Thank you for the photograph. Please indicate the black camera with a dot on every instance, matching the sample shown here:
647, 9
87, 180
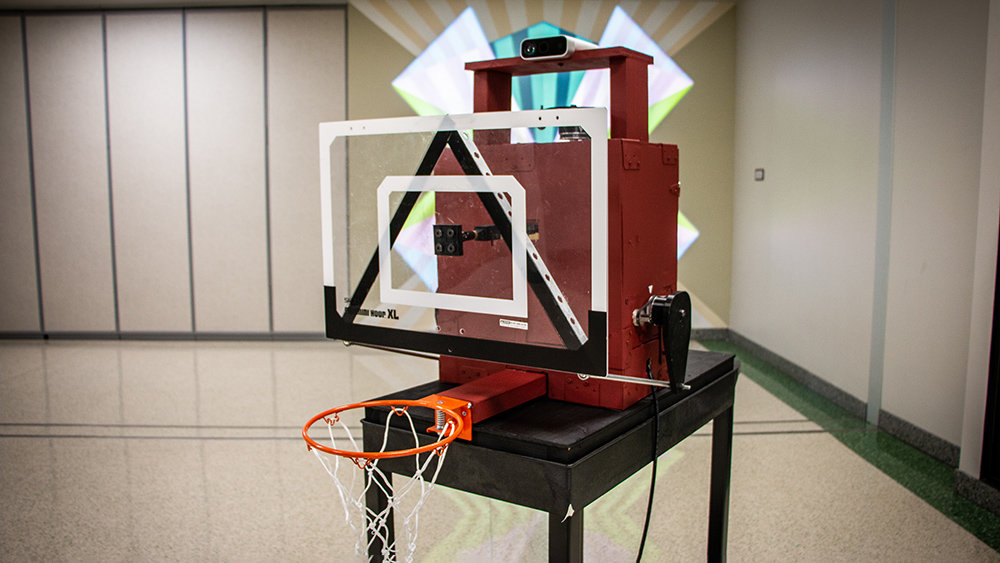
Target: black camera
555, 47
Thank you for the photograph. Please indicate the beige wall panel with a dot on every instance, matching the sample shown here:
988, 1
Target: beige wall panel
940, 73
701, 125
225, 58
146, 117
66, 77
374, 60
808, 80
18, 281
306, 86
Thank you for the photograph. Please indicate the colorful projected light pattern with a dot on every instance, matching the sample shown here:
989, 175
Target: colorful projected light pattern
437, 83
667, 82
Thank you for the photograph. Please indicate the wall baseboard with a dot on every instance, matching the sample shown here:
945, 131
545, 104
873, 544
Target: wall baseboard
234, 336
19, 335
710, 334
299, 336
936, 447
142, 335
80, 335
976, 491
810, 380
168, 336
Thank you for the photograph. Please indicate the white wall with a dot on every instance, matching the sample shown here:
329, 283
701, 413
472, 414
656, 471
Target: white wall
175, 169
19, 299
985, 269
70, 148
940, 65
226, 137
303, 89
807, 111
148, 158
808, 87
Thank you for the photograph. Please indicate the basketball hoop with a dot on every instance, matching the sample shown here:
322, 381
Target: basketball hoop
375, 525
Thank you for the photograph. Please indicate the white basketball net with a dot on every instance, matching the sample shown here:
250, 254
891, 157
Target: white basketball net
367, 524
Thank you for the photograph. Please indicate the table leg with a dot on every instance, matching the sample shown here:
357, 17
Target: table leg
718, 508
566, 538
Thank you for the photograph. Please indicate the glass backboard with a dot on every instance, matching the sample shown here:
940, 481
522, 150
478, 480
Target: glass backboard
472, 235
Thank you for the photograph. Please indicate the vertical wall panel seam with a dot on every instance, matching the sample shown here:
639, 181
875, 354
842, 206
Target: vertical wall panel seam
31, 173
267, 185
111, 199
883, 213
187, 167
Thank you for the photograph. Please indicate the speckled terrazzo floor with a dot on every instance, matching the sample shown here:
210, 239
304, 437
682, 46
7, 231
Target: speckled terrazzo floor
189, 451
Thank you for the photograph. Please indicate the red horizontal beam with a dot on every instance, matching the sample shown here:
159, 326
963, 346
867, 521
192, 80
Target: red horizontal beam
581, 60
504, 390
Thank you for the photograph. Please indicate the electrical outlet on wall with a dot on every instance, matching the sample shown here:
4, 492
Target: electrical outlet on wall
758, 174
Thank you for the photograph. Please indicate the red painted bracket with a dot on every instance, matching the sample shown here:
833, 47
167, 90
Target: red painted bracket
459, 407
631, 155
491, 395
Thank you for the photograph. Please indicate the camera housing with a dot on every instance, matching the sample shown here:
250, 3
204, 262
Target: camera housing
554, 47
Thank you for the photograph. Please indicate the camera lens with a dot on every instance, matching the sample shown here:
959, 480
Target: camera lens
529, 49
544, 47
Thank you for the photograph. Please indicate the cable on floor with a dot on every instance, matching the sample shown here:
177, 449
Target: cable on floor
652, 480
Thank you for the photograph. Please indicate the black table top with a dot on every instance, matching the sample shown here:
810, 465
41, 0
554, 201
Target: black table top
565, 432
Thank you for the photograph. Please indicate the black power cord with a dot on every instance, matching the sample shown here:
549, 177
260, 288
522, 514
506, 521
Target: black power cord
672, 315
652, 480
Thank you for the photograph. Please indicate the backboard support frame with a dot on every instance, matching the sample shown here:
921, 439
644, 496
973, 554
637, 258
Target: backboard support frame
580, 354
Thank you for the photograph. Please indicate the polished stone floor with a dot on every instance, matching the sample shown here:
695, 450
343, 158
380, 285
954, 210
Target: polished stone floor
190, 451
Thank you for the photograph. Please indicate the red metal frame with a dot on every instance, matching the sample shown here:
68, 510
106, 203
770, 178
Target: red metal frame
629, 112
490, 395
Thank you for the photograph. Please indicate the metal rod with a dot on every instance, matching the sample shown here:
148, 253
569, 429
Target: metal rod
628, 379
